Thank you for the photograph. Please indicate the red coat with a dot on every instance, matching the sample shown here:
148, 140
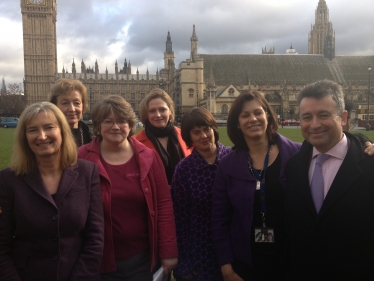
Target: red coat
161, 224
142, 137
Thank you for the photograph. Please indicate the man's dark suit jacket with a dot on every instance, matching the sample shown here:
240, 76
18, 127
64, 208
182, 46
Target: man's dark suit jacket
42, 238
337, 243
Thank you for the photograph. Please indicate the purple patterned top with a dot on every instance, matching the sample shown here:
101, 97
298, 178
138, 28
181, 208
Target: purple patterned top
191, 191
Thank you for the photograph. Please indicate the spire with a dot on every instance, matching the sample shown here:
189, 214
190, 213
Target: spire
129, 68
169, 44
83, 67
3, 87
73, 69
193, 45
96, 67
194, 37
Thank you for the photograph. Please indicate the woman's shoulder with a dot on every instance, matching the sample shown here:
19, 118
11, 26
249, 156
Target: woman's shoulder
85, 164
282, 140
232, 156
140, 135
6, 172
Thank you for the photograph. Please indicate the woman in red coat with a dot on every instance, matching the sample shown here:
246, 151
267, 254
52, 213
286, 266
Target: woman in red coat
138, 211
159, 133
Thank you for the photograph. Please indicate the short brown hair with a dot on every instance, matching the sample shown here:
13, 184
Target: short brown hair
324, 88
23, 159
197, 117
236, 135
115, 105
64, 86
154, 94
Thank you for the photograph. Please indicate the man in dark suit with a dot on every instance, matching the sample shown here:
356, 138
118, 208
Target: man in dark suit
330, 204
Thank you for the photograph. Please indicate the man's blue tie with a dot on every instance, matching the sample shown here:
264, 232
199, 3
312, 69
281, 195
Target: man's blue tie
317, 184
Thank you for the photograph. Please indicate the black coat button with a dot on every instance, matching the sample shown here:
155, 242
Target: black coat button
55, 238
55, 217
56, 257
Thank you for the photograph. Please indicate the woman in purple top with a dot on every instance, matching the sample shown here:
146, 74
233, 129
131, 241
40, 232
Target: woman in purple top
191, 191
248, 196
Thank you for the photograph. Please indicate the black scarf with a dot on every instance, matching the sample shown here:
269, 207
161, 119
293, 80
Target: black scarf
170, 157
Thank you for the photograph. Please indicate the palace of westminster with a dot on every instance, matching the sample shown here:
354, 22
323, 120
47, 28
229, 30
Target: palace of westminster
208, 80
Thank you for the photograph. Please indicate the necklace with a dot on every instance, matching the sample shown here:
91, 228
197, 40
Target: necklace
81, 135
259, 177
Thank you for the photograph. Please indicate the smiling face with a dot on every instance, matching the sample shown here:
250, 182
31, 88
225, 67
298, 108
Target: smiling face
114, 130
43, 135
71, 105
158, 113
203, 138
321, 124
252, 121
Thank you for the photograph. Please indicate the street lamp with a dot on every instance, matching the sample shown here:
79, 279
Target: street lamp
368, 124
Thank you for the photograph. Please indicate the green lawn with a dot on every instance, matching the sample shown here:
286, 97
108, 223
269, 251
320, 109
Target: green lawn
6, 140
6, 146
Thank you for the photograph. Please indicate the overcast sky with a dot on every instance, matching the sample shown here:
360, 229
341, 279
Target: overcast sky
110, 30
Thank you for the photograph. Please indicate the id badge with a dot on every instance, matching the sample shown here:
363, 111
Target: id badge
264, 235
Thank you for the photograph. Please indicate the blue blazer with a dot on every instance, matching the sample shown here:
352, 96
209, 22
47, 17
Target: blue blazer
45, 238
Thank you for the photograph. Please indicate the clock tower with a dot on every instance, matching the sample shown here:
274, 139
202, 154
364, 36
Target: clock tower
39, 48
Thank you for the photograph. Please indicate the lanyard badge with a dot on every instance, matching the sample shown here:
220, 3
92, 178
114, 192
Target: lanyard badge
262, 234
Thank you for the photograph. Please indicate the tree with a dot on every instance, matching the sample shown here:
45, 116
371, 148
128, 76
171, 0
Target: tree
14, 89
12, 103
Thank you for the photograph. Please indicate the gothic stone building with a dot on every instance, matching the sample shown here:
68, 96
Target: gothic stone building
209, 80
214, 80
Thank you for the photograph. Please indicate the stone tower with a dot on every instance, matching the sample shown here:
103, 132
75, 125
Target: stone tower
322, 35
39, 47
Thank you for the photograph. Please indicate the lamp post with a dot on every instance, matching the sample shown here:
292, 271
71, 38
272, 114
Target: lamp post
368, 124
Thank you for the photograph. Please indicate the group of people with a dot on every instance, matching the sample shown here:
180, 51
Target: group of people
114, 205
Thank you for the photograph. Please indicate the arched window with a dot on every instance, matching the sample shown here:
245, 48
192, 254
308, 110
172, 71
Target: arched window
224, 109
231, 92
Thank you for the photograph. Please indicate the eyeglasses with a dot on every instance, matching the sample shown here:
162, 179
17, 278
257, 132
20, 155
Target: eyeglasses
110, 123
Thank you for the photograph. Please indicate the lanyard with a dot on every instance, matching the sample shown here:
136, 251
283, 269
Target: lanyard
260, 176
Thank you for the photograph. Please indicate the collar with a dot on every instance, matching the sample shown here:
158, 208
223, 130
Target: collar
338, 151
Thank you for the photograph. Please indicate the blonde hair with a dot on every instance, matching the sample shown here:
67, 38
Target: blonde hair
23, 159
117, 106
154, 94
64, 86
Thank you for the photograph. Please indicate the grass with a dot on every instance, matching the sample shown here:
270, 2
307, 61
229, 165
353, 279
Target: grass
6, 146
6, 140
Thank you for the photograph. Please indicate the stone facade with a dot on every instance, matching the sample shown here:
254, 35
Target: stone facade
205, 79
39, 47
209, 80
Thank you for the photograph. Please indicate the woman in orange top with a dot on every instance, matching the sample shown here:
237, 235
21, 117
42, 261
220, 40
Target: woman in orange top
159, 133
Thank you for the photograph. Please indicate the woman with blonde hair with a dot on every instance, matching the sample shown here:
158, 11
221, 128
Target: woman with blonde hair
70, 96
159, 133
51, 225
139, 219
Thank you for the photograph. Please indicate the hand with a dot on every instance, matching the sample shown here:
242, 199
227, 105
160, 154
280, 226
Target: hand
232, 277
369, 150
169, 264
190, 275
229, 274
